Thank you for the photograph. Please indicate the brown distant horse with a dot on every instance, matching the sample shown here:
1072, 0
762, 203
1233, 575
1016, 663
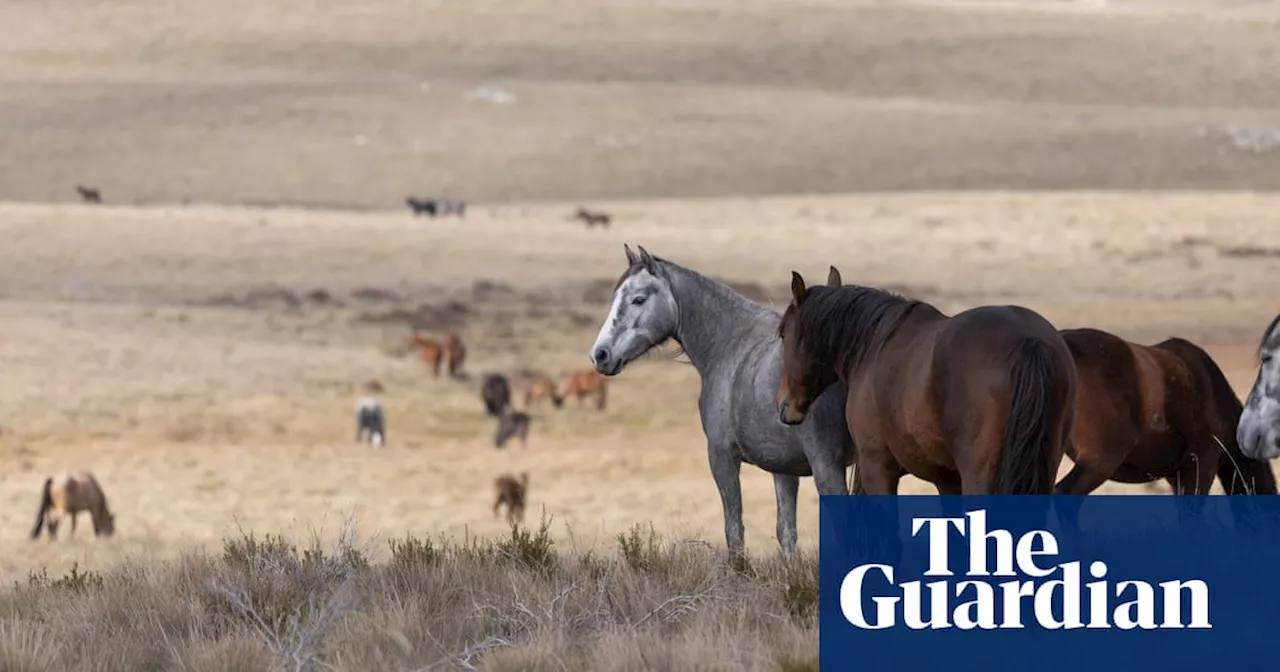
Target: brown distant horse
542, 388
976, 403
1149, 412
583, 382
511, 492
592, 218
434, 352
67, 494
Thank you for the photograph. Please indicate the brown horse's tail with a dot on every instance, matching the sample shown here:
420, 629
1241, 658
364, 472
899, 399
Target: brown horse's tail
46, 501
1035, 408
1238, 474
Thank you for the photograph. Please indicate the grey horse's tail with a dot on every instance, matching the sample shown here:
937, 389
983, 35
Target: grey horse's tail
46, 501
1034, 406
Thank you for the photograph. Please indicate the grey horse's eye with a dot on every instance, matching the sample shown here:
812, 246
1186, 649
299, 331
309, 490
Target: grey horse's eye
1266, 358
639, 300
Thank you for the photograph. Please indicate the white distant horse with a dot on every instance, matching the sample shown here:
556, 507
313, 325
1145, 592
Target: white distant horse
371, 419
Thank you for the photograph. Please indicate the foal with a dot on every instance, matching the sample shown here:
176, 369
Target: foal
584, 382
976, 403
540, 389
67, 494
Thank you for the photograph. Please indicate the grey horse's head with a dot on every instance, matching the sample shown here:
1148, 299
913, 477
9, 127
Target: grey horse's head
644, 315
1259, 430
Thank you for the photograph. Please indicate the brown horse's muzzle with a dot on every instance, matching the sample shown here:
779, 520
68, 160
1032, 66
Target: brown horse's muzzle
790, 415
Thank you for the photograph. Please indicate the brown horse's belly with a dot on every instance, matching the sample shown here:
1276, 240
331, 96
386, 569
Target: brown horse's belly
1154, 458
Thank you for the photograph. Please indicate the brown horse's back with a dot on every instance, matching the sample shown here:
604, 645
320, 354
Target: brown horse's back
1145, 413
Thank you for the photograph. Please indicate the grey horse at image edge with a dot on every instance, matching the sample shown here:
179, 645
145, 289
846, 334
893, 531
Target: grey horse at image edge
734, 345
1258, 432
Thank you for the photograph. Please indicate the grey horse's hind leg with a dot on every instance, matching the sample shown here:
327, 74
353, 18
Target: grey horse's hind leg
726, 470
786, 489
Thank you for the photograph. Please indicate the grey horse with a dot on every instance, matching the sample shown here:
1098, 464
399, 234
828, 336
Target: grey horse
733, 343
1258, 431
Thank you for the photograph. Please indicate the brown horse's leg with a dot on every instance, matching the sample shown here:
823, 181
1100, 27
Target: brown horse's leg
877, 470
73, 523
1088, 474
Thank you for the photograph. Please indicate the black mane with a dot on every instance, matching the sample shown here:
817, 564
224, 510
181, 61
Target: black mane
843, 325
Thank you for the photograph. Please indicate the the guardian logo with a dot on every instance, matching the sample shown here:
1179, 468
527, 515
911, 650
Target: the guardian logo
974, 603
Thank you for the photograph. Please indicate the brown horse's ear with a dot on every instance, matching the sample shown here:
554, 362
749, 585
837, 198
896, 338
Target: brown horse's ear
798, 291
647, 260
833, 277
632, 259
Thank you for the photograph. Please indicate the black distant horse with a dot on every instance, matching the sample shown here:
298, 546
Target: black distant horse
89, 194
512, 424
496, 393
422, 206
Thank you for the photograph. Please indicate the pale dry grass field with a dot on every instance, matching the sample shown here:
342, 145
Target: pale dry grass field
198, 341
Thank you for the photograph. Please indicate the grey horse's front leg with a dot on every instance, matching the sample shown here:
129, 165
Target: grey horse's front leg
786, 488
726, 469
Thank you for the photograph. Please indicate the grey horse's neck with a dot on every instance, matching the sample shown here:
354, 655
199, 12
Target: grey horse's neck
715, 321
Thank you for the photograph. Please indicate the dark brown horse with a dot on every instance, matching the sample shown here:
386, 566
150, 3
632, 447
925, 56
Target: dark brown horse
1149, 412
585, 382
591, 218
511, 492
435, 353
512, 424
495, 391
88, 194
976, 403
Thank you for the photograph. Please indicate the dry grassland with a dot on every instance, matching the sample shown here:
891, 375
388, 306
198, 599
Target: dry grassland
198, 341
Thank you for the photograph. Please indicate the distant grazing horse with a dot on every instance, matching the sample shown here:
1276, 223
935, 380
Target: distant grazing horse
1149, 412
453, 208
733, 343
67, 494
89, 194
540, 389
421, 206
371, 420
512, 492
495, 391
512, 424
582, 383
592, 218
434, 352
976, 403
1258, 431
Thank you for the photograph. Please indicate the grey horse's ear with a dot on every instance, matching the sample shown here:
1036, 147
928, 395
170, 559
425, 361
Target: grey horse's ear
632, 259
798, 291
833, 277
647, 260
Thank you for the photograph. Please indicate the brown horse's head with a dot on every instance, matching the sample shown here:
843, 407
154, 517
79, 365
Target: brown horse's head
803, 377
105, 524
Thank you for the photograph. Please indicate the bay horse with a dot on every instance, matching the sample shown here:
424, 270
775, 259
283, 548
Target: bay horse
733, 344
89, 194
435, 353
1258, 430
591, 218
980, 402
542, 388
495, 391
582, 383
1147, 412
511, 492
67, 494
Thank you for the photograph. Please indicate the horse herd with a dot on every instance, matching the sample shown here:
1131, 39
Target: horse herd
986, 401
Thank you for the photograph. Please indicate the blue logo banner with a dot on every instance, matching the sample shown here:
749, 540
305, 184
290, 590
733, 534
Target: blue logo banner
1081, 584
